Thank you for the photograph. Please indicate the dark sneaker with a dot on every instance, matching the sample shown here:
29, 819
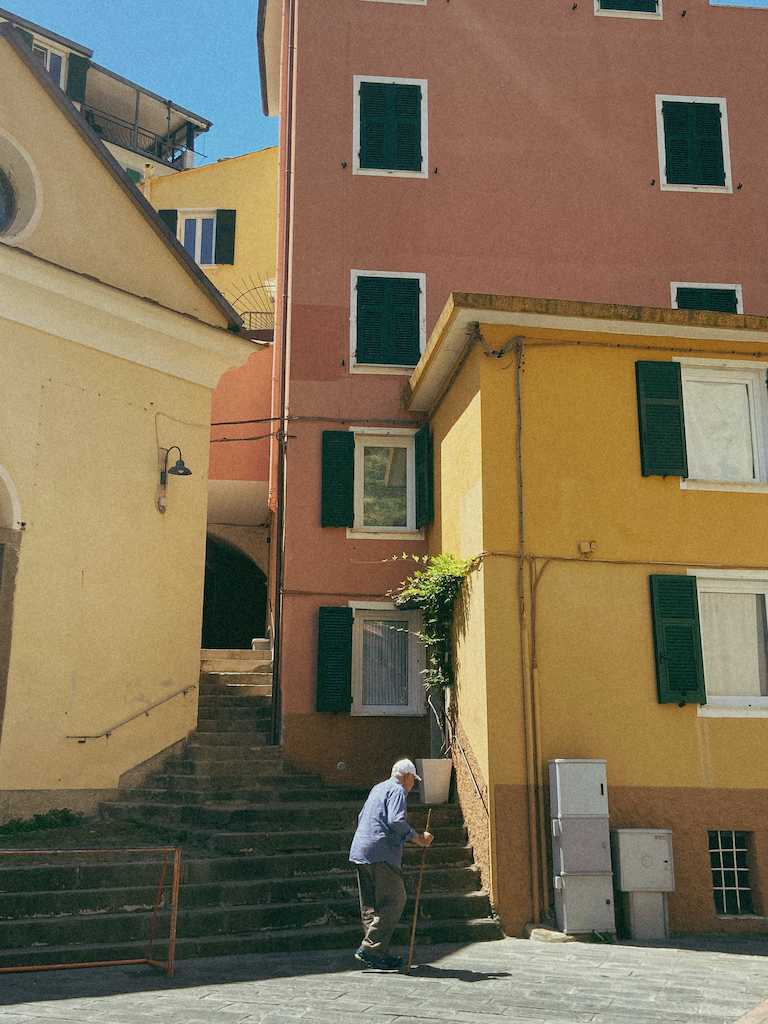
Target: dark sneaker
381, 963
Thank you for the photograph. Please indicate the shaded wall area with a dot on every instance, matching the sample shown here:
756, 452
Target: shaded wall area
235, 598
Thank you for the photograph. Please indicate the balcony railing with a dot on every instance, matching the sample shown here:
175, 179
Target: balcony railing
167, 149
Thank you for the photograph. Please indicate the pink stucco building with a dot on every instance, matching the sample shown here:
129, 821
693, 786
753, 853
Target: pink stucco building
610, 151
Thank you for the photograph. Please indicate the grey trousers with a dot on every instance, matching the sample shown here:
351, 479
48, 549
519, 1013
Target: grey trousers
382, 898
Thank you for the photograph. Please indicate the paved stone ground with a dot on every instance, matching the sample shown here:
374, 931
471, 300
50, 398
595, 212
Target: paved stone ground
512, 981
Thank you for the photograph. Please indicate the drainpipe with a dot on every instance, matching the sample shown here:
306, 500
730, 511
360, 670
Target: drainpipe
282, 429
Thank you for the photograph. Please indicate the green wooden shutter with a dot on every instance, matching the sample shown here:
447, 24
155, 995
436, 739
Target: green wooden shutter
170, 217
135, 176
225, 236
371, 319
338, 498
388, 320
645, 6
334, 660
404, 347
424, 478
26, 36
719, 300
661, 418
694, 143
390, 126
77, 73
677, 640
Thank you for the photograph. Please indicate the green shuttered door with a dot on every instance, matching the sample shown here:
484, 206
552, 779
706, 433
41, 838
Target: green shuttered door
338, 507
662, 423
677, 640
225, 236
694, 143
424, 478
388, 320
334, 660
390, 126
77, 72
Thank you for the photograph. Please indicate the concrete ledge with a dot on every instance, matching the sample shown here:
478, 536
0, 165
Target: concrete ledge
24, 803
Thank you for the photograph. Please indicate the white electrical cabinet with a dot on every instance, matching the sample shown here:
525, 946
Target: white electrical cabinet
644, 874
584, 904
578, 788
642, 859
581, 848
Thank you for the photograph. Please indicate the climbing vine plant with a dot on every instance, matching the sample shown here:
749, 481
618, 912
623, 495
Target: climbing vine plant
434, 589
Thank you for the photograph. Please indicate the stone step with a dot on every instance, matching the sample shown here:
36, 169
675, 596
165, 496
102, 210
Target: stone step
258, 661
17, 906
251, 738
221, 700
300, 841
234, 653
229, 689
232, 782
196, 754
204, 921
79, 874
246, 720
217, 797
326, 936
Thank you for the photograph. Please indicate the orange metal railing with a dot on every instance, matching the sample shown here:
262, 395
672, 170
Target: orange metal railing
168, 966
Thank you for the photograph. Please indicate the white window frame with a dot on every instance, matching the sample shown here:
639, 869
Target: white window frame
390, 368
387, 172
360, 532
412, 620
753, 374
198, 215
732, 581
664, 185
646, 15
47, 62
674, 285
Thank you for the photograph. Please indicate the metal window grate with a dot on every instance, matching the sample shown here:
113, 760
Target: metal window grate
730, 872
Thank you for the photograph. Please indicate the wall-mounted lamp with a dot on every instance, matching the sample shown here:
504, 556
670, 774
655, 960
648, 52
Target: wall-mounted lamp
178, 470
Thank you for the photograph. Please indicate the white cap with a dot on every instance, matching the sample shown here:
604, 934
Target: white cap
404, 766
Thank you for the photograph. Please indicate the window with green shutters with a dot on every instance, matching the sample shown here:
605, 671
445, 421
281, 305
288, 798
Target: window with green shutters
334, 660
677, 640
693, 142
378, 483
718, 300
390, 126
77, 74
661, 419
207, 235
637, 6
388, 320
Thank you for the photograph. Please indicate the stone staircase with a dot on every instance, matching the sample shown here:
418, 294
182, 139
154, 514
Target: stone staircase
271, 873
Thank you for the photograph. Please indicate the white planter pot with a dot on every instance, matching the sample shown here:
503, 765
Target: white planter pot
435, 782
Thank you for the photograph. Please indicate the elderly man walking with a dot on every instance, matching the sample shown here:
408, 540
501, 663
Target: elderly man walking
377, 852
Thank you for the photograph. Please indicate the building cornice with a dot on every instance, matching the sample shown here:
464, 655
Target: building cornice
65, 304
451, 334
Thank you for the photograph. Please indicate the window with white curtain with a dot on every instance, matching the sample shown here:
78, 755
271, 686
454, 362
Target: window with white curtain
386, 661
726, 420
734, 638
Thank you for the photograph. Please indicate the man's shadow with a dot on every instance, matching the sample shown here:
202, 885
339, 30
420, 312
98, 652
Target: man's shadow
444, 974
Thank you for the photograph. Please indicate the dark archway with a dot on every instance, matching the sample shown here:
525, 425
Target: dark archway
235, 599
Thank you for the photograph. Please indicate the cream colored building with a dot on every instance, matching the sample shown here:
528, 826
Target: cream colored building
111, 342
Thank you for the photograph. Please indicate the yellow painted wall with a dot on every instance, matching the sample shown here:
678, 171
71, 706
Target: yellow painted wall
108, 599
247, 184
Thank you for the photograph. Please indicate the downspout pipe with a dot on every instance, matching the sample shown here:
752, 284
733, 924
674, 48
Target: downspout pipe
282, 429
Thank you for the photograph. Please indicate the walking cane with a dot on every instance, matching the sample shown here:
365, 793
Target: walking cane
418, 894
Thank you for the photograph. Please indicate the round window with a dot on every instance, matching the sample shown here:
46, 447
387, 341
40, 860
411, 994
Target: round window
7, 203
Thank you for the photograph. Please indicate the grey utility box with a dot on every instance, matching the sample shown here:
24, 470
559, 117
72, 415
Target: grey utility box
578, 788
581, 846
584, 904
644, 874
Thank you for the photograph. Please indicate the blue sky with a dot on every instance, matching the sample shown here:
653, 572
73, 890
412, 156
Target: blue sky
201, 54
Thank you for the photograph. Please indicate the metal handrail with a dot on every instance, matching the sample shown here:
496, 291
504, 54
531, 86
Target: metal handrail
108, 732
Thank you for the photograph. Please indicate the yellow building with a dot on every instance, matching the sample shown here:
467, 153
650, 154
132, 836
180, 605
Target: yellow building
225, 214
610, 466
111, 342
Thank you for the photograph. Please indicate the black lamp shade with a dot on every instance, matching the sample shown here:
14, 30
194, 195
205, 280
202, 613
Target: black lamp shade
180, 469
